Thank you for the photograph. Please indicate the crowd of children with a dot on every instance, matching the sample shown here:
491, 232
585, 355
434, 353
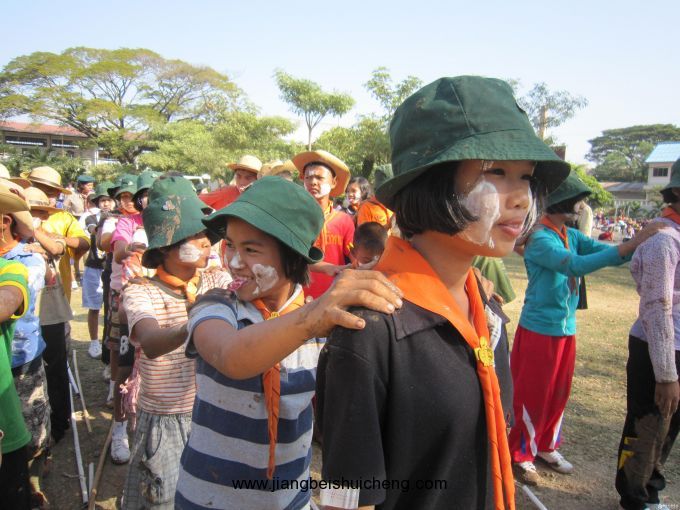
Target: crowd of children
241, 324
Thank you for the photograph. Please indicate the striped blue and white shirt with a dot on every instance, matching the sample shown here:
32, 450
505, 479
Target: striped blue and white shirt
224, 465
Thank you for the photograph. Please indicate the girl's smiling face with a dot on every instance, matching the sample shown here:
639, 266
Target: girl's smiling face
254, 261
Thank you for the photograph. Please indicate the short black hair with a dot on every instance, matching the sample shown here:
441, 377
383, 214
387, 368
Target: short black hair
566, 206
295, 266
430, 203
364, 186
370, 235
669, 197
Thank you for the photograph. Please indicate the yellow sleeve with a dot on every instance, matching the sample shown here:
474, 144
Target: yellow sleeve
15, 274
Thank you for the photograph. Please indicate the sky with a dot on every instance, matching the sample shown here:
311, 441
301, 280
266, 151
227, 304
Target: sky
621, 56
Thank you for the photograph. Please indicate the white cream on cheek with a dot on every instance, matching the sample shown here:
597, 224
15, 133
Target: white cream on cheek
189, 253
324, 189
265, 278
483, 203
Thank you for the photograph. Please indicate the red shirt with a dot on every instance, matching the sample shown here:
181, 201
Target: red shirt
220, 198
335, 241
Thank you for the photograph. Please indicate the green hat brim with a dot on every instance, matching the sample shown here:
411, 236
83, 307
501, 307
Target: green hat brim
125, 189
262, 220
571, 189
508, 145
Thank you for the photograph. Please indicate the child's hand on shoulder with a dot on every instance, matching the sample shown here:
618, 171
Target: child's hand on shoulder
369, 289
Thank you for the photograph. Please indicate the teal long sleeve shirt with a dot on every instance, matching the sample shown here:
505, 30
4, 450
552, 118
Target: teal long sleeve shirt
554, 274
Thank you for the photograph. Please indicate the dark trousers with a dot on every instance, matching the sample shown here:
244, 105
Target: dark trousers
106, 285
647, 436
15, 488
55, 357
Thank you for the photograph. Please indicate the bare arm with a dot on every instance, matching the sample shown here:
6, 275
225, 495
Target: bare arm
247, 352
11, 300
54, 247
327, 268
156, 341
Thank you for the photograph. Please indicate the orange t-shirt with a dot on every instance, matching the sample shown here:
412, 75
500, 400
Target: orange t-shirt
335, 241
220, 198
372, 210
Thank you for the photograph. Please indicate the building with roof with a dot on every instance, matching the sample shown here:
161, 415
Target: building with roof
625, 193
659, 164
62, 140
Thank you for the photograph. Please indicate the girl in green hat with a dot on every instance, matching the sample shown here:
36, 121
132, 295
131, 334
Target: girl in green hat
544, 350
156, 310
422, 407
256, 350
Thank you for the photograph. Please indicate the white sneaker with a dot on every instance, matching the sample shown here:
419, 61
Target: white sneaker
74, 285
95, 349
658, 506
526, 473
120, 448
556, 461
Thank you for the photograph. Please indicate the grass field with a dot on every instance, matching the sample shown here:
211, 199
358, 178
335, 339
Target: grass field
592, 423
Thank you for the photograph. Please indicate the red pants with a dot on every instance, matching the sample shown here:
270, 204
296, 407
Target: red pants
542, 368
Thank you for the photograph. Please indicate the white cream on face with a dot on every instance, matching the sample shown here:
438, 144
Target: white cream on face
236, 262
265, 278
324, 189
483, 203
189, 253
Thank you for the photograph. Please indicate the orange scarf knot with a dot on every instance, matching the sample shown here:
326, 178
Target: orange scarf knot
560, 232
189, 287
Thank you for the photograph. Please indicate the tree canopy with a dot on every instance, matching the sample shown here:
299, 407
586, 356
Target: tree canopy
307, 100
620, 153
548, 108
113, 96
389, 94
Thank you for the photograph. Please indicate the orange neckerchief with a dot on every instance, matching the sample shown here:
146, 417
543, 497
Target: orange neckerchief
669, 212
407, 269
189, 288
9, 247
328, 215
271, 379
562, 233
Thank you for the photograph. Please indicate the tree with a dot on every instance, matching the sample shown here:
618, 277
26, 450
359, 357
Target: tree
548, 109
600, 197
361, 146
195, 148
389, 94
306, 99
113, 96
620, 153
23, 161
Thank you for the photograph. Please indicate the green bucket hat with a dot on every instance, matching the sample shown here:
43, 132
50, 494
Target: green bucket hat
144, 181
571, 188
84, 179
174, 213
102, 190
280, 209
466, 117
127, 183
675, 176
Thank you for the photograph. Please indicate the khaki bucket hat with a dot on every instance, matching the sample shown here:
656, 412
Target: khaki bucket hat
10, 202
337, 166
47, 176
37, 200
4, 174
248, 163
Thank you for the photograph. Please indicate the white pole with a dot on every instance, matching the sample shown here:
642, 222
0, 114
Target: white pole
86, 415
76, 445
532, 497
72, 379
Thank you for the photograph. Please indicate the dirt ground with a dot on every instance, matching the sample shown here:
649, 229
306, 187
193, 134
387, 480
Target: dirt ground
592, 423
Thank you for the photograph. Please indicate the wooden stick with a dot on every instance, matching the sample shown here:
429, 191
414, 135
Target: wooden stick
76, 444
90, 476
100, 467
86, 415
